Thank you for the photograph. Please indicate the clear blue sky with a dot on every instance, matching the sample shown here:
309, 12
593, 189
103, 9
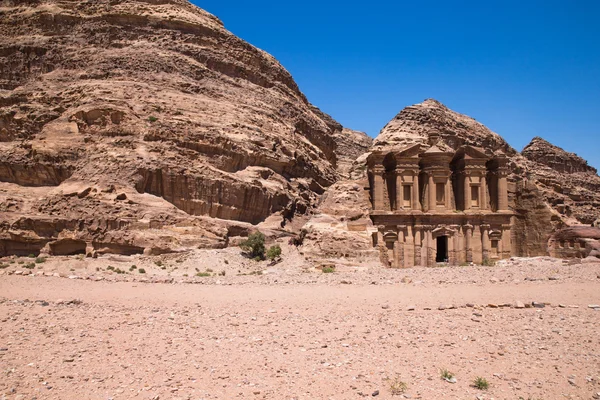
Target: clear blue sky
523, 68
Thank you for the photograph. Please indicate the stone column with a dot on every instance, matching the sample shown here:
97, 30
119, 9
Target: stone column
467, 191
484, 197
416, 204
476, 245
399, 190
468, 246
448, 188
431, 191
381, 245
409, 248
502, 191
485, 243
378, 189
396, 261
430, 250
506, 242
400, 258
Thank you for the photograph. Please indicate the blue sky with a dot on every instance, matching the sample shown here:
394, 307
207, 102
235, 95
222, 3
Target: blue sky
523, 68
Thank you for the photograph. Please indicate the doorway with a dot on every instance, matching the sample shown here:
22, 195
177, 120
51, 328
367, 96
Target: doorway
442, 249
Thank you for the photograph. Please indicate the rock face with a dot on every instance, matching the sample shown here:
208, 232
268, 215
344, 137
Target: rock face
350, 146
575, 242
549, 188
570, 186
121, 120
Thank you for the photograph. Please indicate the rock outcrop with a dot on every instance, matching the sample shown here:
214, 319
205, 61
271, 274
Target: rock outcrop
570, 186
126, 122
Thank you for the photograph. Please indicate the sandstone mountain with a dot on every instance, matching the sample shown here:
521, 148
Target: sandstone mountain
145, 125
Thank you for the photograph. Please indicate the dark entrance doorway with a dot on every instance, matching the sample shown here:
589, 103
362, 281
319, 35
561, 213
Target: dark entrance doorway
442, 249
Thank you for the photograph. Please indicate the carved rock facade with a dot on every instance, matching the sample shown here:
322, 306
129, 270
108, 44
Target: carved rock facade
432, 204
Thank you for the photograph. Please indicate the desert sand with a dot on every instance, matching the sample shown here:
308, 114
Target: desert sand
297, 333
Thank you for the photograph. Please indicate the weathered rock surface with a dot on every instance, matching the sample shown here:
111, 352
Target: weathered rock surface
570, 186
120, 119
350, 146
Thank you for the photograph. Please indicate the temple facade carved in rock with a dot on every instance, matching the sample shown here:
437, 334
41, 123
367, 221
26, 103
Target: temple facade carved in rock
432, 204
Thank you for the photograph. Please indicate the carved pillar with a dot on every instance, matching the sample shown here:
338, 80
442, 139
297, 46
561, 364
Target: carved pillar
468, 246
416, 204
502, 191
400, 243
430, 248
448, 194
467, 191
431, 191
476, 245
399, 190
485, 242
420, 258
396, 261
409, 248
484, 195
381, 245
378, 189
506, 242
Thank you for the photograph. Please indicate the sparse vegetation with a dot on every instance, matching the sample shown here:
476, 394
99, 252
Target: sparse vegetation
2, 266
255, 246
396, 386
328, 270
142, 271
31, 256
481, 383
152, 119
30, 265
110, 268
132, 268
158, 263
488, 263
274, 252
445, 374
40, 260
203, 274
222, 273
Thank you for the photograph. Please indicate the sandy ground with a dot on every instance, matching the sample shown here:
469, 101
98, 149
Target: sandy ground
293, 333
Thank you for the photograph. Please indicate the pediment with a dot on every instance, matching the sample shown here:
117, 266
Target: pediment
443, 231
471, 153
410, 151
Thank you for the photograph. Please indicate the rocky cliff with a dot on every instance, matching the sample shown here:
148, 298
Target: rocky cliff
122, 120
570, 186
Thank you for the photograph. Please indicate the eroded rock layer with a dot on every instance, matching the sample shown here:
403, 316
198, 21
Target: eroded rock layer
140, 114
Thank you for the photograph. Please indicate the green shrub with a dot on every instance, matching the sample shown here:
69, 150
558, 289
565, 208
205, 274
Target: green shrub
40, 260
274, 252
481, 383
30, 265
396, 386
152, 119
255, 246
31, 256
142, 271
445, 374
203, 274
132, 267
328, 270
488, 263
158, 263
